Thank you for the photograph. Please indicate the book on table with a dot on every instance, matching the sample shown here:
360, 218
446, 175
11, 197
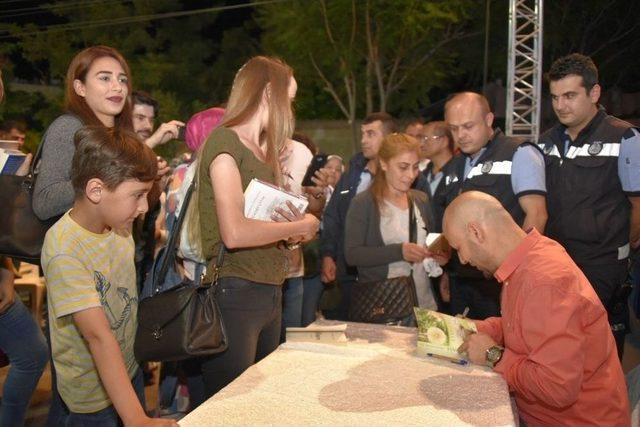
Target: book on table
440, 334
261, 199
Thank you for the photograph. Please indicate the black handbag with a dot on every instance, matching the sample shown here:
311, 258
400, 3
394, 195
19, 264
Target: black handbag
389, 300
21, 231
181, 319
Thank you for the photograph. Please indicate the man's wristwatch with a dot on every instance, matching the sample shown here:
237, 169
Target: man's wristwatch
494, 354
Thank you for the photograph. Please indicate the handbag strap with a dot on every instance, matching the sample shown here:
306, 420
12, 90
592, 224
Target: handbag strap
413, 225
413, 238
30, 178
174, 235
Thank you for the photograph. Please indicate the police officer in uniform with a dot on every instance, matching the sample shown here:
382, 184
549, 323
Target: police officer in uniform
436, 145
510, 170
593, 182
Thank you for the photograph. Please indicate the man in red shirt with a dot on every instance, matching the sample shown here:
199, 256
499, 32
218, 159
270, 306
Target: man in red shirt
552, 344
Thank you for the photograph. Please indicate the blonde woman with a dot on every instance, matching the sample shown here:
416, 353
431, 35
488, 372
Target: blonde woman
257, 122
377, 226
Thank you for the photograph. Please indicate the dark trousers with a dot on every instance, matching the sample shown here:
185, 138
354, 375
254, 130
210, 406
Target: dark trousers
252, 314
607, 281
481, 296
345, 283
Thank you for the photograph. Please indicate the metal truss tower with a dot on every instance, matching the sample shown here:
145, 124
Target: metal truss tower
524, 74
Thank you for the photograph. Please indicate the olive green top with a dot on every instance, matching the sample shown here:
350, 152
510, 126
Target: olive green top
262, 264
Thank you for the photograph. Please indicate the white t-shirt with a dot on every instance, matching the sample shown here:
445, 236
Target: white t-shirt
296, 164
394, 227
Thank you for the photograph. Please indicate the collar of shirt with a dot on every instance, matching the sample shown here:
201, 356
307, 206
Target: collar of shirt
516, 257
472, 159
564, 131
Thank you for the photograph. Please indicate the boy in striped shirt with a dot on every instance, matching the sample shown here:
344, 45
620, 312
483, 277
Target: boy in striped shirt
88, 262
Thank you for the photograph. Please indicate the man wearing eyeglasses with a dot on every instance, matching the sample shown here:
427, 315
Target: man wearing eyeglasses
415, 129
510, 170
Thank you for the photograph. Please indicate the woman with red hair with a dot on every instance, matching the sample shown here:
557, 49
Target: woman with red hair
98, 85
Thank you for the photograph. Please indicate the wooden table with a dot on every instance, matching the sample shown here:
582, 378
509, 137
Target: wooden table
374, 379
31, 282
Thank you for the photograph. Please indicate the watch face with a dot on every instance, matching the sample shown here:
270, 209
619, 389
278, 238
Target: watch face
494, 354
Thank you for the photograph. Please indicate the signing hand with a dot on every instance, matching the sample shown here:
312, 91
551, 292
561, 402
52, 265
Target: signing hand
476, 346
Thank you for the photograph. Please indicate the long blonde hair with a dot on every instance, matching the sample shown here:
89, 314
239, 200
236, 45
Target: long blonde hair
258, 75
392, 145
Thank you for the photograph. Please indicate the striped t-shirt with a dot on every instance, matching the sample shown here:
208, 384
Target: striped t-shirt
85, 270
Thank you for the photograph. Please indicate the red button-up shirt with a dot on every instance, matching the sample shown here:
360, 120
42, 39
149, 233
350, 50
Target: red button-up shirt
560, 358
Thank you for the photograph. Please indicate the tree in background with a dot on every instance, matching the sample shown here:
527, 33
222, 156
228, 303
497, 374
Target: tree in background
187, 63
368, 55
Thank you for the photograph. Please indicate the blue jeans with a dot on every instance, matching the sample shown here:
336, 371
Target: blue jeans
26, 348
107, 417
292, 294
313, 289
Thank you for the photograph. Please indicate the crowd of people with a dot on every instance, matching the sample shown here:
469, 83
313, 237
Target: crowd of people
551, 314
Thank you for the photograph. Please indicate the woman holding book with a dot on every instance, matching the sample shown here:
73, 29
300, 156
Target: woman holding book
257, 122
378, 221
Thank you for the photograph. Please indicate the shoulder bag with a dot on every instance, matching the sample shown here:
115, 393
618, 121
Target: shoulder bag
388, 300
21, 231
181, 318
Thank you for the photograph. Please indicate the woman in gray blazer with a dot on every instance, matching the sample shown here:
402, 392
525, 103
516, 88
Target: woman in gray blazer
377, 225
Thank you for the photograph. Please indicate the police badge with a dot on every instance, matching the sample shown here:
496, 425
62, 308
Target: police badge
486, 166
595, 148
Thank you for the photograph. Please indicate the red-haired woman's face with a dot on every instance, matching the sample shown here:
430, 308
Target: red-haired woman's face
105, 89
401, 170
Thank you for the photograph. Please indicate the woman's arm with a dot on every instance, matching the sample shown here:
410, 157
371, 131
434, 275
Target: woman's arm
360, 218
238, 231
53, 194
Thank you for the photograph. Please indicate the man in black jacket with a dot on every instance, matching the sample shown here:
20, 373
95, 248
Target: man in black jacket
593, 181
508, 169
362, 168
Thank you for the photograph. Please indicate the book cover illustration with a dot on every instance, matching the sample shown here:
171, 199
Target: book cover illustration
440, 334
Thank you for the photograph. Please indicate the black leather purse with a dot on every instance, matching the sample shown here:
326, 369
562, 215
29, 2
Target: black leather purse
181, 319
388, 300
21, 231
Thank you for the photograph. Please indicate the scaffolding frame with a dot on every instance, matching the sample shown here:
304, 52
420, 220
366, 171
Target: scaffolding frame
524, 73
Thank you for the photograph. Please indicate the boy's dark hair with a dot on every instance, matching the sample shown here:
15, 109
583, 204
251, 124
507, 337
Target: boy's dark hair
143, 98
111, 156
389, 124
574, 64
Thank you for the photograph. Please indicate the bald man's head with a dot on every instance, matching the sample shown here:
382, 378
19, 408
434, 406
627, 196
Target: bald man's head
477, 226
468, 98
469, 118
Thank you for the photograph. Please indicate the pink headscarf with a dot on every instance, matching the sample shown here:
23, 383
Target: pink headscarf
200, 126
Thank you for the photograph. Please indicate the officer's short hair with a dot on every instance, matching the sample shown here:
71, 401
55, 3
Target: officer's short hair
389, 124
575, 64
143, 98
